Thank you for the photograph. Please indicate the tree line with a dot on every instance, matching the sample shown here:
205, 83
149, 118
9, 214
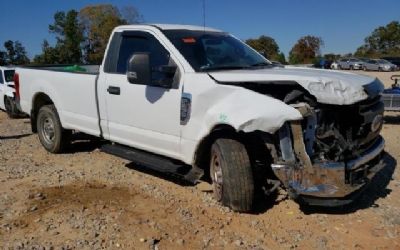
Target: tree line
82, 37
383, 41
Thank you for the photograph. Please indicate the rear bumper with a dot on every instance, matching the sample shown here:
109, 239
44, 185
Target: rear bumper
332, 183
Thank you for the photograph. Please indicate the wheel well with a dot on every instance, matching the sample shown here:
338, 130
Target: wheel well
254, 142
39, 101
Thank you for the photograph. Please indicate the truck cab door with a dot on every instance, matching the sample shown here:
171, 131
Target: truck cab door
144, 116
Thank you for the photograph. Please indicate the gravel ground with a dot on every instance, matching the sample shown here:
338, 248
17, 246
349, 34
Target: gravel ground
86, 199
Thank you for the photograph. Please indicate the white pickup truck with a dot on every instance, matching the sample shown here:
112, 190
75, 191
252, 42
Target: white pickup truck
199, 103
7, 92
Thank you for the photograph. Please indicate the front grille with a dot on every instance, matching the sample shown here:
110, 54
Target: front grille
344, 132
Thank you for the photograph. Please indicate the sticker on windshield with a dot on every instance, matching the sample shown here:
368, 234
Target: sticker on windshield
188, 40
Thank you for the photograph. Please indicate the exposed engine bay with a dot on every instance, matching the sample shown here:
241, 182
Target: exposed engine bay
332, 132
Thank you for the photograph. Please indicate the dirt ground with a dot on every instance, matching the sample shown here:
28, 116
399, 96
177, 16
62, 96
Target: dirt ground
86, 199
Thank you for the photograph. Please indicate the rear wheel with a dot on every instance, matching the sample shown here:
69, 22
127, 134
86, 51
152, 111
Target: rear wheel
52, 135
232, 175
10, 107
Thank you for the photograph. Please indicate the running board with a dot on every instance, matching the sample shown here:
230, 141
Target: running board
154, 162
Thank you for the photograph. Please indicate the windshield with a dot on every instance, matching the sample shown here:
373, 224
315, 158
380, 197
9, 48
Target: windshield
207, 51
9, 75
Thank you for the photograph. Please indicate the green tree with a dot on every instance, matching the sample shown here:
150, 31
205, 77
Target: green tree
281, 58
69, 36
3, 58
49, 55
384, 40
15, 53
98, 22
305, 50
82, 37
266, 46
10, 51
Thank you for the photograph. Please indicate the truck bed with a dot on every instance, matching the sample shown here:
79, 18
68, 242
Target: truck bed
73, 93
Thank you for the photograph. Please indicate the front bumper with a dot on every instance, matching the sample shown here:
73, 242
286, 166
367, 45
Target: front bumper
332, 183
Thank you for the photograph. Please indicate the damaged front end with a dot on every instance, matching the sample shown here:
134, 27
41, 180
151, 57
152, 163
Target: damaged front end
330, 154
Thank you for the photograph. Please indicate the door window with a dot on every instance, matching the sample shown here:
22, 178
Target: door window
1, 77
9, 75
159, 56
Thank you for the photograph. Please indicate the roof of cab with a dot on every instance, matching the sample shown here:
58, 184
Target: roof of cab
169, 27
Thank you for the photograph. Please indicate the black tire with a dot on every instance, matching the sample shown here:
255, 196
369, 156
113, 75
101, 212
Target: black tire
232, 175
11, 107
52, 135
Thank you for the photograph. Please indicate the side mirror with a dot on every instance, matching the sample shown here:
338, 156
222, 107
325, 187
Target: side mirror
139, 69
140, 72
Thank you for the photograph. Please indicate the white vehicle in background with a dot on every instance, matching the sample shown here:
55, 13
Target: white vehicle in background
7, 91
335, 65
379, 65
350, 63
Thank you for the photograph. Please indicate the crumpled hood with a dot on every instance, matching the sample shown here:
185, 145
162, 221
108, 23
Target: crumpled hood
328, 86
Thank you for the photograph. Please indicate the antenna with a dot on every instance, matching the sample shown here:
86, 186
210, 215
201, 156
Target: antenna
204, 15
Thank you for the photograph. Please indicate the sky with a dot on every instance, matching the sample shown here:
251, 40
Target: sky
342, 24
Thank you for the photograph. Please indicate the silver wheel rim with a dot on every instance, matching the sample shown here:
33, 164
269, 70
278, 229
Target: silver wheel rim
48, 130
216, 176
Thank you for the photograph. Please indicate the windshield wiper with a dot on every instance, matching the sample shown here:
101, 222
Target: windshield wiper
223, 67
262, 64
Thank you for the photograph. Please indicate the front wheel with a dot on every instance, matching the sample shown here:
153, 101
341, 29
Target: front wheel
52, 135
232, 175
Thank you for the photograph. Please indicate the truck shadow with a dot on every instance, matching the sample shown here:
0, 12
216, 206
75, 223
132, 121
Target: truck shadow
10, 137
262, 202
376, 189
81, 142
393, 118
162, 175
